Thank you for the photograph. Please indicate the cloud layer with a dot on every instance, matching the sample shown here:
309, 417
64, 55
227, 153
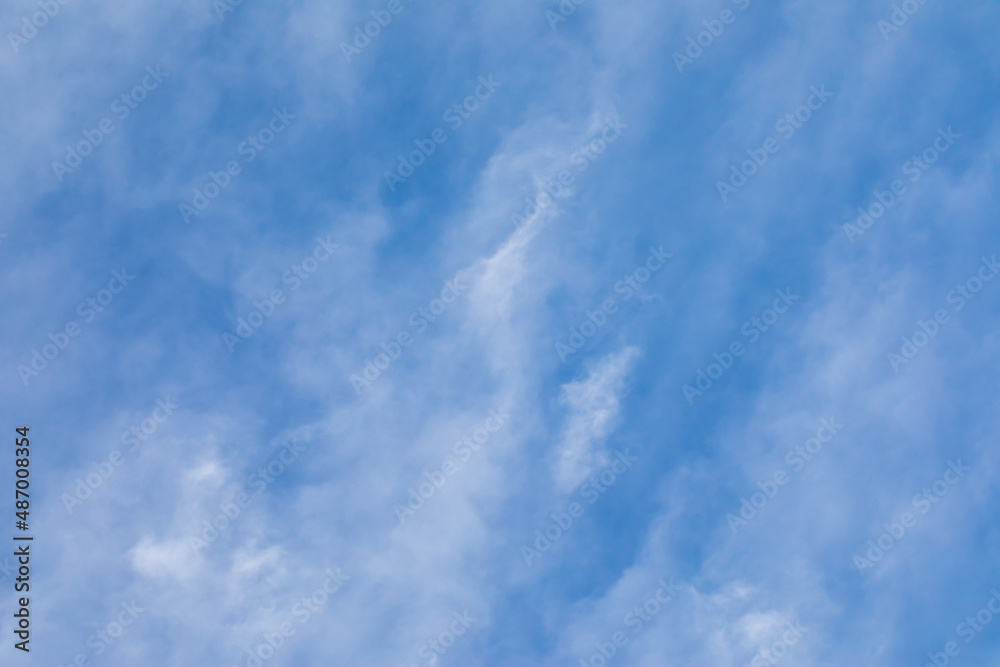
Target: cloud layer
322, 314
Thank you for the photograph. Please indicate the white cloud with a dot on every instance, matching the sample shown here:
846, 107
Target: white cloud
593, 405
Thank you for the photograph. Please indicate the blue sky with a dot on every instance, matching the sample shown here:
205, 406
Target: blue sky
446, 346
